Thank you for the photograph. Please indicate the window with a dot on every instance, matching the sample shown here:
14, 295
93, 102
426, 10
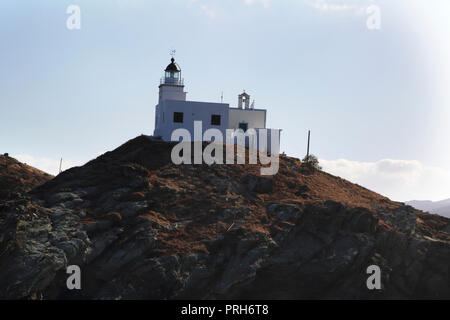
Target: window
215, 120
178, 117
172, 74
243, 126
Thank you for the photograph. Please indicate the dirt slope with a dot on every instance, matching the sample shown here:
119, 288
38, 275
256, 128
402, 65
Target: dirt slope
19, 177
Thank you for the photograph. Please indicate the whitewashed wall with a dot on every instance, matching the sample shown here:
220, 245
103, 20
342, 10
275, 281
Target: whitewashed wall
256, 118
170, 92
192, 111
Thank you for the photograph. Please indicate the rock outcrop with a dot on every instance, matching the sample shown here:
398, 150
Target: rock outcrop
141, 227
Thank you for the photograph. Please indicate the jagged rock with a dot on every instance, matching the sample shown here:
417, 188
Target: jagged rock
301, 191
260, 184
140, 227
62, 197
284, 212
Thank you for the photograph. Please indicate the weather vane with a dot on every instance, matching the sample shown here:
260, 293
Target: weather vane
172, 52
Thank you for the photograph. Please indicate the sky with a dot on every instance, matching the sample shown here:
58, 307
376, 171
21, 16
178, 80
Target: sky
377, 101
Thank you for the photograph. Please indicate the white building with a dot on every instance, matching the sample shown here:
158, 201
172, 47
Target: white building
173, 111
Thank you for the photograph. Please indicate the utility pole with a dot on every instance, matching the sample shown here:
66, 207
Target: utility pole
307, 151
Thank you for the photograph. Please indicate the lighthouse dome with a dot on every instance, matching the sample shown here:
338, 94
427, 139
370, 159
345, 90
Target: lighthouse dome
173, 67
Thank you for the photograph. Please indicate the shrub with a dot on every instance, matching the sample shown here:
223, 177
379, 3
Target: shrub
312, 162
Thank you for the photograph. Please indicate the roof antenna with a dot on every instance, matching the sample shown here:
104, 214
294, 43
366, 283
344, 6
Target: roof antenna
221, 98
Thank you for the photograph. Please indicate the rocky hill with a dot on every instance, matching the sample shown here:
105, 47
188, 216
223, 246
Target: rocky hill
16, 177
141, 227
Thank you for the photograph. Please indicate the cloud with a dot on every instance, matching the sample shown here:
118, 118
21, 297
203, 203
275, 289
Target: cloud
400, 180
264, 3
209, 12
190, 3
353, 6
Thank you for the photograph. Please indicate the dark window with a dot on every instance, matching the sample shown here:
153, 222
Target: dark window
178, 117
243, 126
215, 120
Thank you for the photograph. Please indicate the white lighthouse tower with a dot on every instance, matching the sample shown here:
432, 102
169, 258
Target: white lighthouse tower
171, 86
173, 111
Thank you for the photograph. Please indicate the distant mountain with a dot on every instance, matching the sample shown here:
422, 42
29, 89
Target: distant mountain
438, 207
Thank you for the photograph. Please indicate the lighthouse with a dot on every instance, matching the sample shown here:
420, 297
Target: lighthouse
174, 111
